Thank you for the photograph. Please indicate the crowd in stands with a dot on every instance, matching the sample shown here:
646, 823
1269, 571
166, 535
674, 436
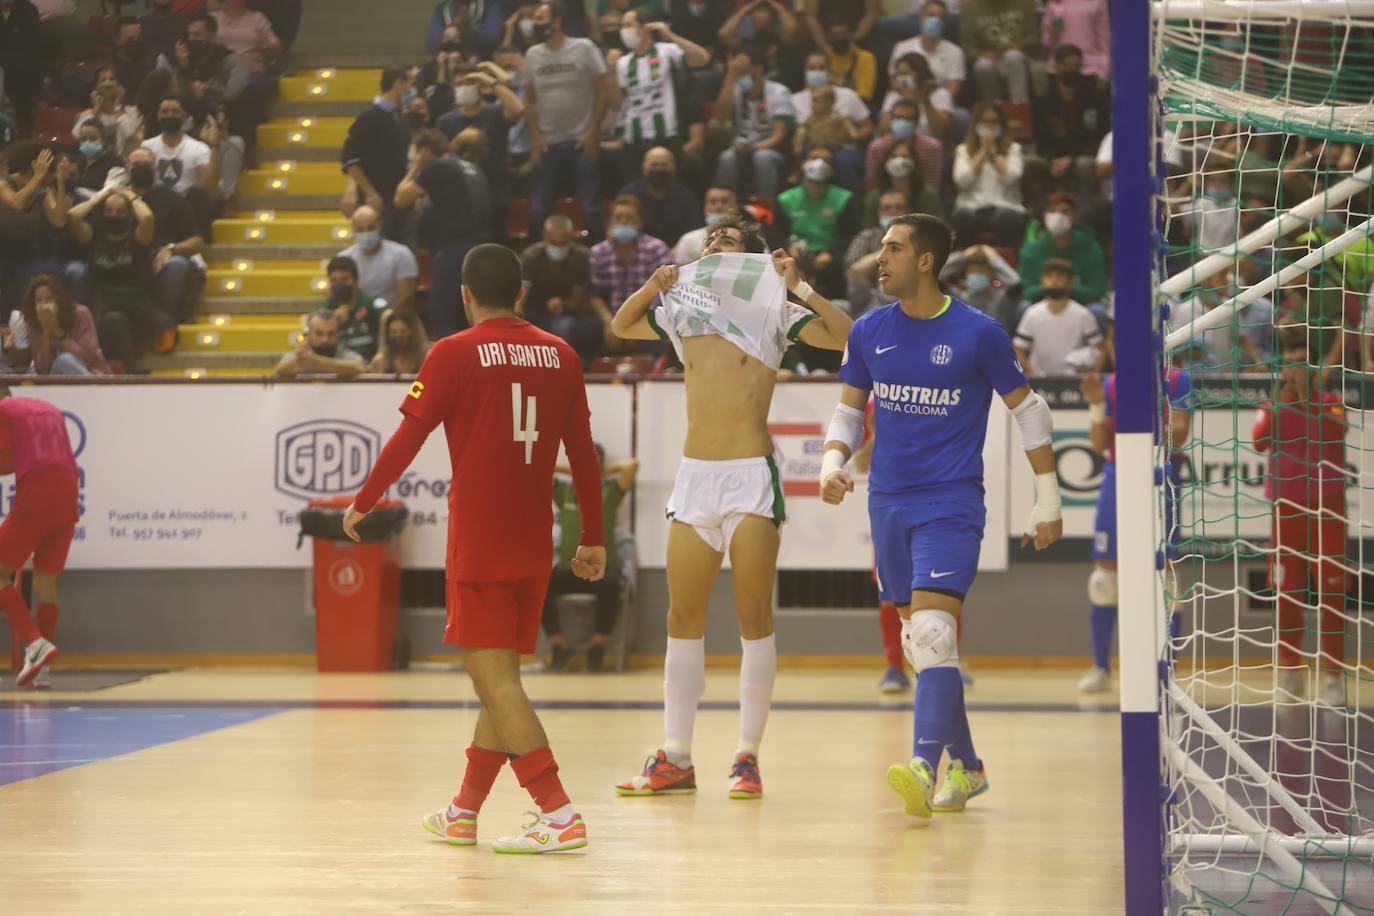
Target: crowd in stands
604, 140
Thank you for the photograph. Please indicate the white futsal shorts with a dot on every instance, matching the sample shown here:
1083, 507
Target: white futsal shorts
715, 496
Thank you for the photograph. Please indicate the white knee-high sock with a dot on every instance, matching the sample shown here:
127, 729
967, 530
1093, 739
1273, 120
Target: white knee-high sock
757, 670
684, 681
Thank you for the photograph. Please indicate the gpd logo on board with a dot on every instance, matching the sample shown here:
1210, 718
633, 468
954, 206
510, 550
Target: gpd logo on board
324, 457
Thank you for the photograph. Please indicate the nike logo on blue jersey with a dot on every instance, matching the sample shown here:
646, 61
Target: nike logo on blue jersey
941, 575
881, 350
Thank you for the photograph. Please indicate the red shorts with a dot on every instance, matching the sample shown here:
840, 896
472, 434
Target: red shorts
41, 521
496, 615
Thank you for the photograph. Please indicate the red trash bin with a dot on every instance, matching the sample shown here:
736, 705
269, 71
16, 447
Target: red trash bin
357, 593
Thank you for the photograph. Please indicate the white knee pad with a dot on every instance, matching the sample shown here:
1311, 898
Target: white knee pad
1102, 587
931, 640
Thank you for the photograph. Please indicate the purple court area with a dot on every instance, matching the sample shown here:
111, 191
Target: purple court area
1322, 758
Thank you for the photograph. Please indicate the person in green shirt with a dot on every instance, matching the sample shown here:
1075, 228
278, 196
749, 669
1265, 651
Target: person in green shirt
617, 478
1064, 238
823, 216
359, 314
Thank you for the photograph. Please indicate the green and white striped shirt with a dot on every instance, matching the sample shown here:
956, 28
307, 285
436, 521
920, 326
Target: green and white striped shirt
649, 109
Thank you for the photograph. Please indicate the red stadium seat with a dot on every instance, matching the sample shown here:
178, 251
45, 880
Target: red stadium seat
621, 365
1018, 115
55, 123
518, 219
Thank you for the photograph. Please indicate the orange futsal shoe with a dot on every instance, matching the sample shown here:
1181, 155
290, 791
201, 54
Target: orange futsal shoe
543, 835
458, 831
660, 778
748, 783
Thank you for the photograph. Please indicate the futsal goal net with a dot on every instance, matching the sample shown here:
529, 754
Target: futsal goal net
1260, 122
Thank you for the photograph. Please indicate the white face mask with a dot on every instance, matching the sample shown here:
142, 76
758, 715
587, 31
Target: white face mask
467, 95
899, 166
989, 132
629, 37
816, 170
1058, 223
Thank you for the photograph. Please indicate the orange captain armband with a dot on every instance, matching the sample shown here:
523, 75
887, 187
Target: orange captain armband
417, 388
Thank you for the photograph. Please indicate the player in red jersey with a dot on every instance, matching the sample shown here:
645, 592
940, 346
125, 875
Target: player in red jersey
1303, 430
507, 393
41, 521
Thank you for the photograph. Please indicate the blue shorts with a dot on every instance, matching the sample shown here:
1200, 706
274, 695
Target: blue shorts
1104, 522
927, 546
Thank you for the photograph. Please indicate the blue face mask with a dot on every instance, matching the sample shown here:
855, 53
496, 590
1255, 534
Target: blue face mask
368, 241
556, 252
697, 9
884, 222
409, 96
745, 83
713, 218
932, 27
623, 234
903, 128
92, 148
977, 283
817, 78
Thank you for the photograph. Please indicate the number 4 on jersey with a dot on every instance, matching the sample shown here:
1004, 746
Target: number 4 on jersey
528, 434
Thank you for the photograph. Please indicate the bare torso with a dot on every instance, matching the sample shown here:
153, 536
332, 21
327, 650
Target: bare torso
728, 396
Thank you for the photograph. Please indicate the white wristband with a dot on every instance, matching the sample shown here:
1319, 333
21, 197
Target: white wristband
1048, 507
1097, 413
833, 460
802, 290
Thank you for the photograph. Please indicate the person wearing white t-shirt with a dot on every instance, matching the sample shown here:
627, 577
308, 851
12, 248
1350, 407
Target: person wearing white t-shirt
912, 81
946, 59
183, 162
1055, 334
721, 203
847, 102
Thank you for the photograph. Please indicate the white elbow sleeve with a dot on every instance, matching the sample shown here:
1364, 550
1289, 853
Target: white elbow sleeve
847, 426
1033, 417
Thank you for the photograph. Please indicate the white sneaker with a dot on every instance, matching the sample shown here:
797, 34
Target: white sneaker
542, 835
1333, 690
1292, 683
1095, 680
36, 655
960, 785
44, 680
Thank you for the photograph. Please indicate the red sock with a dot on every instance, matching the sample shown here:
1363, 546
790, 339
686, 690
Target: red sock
47, 620
12, 603
483, 768
538, 775
891, 623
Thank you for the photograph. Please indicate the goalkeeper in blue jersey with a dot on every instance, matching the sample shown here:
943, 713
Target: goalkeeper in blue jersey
932, 364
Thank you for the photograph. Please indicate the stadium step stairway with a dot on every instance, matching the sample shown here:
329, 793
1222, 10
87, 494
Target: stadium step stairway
266, 262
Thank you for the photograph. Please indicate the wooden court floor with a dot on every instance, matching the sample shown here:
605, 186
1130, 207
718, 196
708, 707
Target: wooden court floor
283, 791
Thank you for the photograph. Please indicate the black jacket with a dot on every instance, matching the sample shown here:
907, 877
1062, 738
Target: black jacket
379, 141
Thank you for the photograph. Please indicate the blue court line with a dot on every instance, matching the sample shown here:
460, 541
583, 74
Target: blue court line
36, 739
588, 705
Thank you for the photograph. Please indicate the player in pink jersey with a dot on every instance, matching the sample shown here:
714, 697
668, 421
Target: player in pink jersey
1303, 431
41, 521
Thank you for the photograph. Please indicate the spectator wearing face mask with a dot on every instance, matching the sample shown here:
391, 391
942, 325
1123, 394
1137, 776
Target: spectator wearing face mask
827, 127
1054, 333
651, 112
117, 230
320, 352
374, 153
899, 125
178, 268
861, 257
387, 270
1000, 37
987, 174
97, 160
519, 34
188, 166
669, 209
760, 113
485, 101
901, 171
58, 332
357, 314
981, 277
435, 80
456, 218
120, 122
627, 259
847, 101
946, 59
163, 27
1065, 239
823, 215
133, 58
721, 203
481, 22
208, 74
404, 344
558, 288
913, 82
850, 65
1070, 117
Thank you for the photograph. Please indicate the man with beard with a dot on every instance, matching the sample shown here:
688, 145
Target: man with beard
670, 211
319, 351
209, 73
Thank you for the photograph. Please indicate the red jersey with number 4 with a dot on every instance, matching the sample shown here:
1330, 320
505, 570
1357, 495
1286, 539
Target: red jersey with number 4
507, 394
1306, 445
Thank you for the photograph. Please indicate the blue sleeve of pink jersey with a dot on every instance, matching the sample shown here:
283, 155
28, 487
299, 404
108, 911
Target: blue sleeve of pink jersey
997, 360
854, 369
1180, 387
